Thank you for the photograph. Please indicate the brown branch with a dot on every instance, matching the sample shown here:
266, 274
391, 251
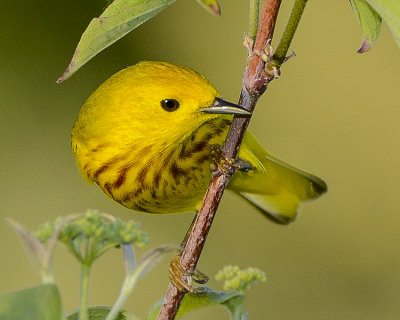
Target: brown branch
255, 82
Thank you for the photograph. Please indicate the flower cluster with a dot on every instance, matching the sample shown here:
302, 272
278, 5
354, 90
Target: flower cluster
89, 235
239, 280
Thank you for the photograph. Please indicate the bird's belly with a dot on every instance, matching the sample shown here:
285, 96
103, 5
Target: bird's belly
180, 188
157, 179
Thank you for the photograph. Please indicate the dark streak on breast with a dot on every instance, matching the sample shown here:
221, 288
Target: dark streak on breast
108, 187
183, 154
203, 159
122, 177
100, 171
99, 147
189, 149
157, 178
177, 172
109, 164
167, 159
222, 126
199, 146
143, 201
141, 177
130, 195
144, 151
140, 208
188, 178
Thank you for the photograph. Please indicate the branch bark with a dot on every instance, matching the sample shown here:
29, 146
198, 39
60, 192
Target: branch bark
255, 81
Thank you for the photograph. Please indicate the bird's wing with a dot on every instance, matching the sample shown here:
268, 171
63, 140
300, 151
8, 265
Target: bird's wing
273, 186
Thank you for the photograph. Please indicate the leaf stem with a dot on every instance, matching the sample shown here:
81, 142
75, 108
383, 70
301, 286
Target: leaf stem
83, 310
284, 44
131, 278
253, 19
74, 252
126, 289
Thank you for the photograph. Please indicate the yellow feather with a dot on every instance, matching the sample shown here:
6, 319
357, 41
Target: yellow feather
153, 156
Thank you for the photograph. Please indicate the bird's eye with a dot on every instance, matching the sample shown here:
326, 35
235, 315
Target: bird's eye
170, 105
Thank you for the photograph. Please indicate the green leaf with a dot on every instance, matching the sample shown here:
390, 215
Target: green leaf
389, 10
35, 250
100, 313
233, 301
119, 18
211, 6
39, 255
370, 23
41, 302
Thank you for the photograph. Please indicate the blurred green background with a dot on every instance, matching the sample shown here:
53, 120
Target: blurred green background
333, 112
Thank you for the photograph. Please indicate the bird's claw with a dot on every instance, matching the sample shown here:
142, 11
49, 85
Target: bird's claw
183, 279
226, 164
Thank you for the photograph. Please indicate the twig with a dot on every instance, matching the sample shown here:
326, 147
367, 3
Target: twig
253, 18
283, 46
255, 81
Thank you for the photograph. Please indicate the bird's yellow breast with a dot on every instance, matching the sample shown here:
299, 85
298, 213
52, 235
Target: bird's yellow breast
155, 177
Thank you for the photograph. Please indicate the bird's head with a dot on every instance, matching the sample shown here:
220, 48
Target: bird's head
151, 101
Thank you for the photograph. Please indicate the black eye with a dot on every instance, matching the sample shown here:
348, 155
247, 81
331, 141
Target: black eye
170, 105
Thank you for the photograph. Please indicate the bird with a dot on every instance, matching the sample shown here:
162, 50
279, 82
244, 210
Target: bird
147, 137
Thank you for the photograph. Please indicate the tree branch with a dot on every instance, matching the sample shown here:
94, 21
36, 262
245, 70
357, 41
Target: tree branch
255, 82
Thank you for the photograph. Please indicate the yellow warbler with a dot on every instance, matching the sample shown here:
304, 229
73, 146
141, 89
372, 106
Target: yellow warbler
145, 136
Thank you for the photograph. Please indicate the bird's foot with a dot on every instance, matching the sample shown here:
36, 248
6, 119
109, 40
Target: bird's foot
226, 164
183, 279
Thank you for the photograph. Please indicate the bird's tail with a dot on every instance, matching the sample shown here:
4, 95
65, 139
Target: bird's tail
274, 187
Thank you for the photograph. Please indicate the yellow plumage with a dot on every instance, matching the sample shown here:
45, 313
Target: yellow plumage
145, 137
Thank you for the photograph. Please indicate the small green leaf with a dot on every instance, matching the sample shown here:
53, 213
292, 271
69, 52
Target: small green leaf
100, 313
211, 6
35, 250
233, 301
370, 23
39, 255
41, 302
119, 18
389, 10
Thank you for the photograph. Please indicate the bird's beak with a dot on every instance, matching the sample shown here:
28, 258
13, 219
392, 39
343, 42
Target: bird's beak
220, 106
